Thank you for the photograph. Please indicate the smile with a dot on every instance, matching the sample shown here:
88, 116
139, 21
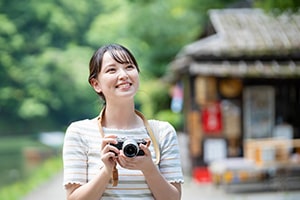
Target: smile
123, 85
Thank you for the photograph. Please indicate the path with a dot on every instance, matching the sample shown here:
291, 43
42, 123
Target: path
190, 191
50, 190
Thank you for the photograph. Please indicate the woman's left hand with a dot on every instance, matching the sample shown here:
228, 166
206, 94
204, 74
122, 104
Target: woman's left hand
138, 162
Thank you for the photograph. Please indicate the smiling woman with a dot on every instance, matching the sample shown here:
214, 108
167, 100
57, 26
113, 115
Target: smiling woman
116, 78
118, 55
93, 154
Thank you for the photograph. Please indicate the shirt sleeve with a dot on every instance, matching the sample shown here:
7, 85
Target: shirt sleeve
170, 163
74, 156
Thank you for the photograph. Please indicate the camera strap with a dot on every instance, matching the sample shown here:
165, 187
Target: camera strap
115, 176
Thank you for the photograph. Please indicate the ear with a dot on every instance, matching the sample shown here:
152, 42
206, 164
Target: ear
96, 85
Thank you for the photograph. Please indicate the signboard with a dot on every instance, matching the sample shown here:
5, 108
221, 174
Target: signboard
258, 111
214, 149
212, 118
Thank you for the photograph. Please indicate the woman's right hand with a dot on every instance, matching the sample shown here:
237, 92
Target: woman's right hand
95, 188
109, 153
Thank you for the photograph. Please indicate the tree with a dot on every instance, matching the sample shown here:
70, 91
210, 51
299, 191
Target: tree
45, 48
39, 58
161, 28
278, 5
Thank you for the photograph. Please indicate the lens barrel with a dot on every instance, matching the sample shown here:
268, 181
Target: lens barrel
130, 148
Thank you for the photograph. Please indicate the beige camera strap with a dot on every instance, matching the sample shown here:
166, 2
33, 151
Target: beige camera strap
115, 175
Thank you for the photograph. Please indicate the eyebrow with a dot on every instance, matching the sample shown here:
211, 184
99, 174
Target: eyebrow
109, 65
121, 57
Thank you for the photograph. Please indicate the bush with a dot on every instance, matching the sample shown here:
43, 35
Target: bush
153, 97
175, 119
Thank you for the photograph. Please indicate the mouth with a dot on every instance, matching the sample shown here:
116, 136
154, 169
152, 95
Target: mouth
124, 85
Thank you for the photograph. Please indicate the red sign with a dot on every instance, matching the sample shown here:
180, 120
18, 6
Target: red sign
212, 118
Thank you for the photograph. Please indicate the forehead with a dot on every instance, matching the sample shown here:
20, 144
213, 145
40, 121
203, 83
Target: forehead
107, 59
120, 56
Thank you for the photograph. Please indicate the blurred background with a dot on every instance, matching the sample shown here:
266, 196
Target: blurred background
224, 73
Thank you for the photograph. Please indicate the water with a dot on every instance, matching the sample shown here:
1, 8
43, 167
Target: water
11, 167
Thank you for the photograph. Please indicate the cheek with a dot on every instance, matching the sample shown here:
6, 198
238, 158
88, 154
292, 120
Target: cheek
135, 77
107, 82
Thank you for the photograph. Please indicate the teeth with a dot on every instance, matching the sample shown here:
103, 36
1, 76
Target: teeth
123, 86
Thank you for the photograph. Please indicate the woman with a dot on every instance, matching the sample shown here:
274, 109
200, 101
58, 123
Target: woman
94, 166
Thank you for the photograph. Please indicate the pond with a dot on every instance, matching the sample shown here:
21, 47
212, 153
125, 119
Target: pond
11, 167
19, 156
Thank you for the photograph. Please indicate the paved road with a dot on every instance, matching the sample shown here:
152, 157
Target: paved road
53, 190
206, 191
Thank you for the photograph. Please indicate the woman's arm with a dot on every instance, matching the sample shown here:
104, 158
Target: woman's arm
95, 188
160, 187
91, 190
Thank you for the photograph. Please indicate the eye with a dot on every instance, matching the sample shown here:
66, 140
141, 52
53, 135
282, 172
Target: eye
130, 67
110, 70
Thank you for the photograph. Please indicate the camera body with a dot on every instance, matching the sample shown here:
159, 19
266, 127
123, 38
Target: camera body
130, 146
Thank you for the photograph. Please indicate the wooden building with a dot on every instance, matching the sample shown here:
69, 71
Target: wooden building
241, 81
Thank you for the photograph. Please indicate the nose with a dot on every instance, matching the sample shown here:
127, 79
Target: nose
123, 75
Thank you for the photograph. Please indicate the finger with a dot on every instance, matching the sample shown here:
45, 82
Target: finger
124, 158
110, 136
110, 148
108, 158
145, 149
125, 162
109, 155
121, 161
108, 140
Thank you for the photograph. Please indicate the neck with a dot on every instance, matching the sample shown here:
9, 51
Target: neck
121, 117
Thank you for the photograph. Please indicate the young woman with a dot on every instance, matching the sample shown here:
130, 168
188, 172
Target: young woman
95, 166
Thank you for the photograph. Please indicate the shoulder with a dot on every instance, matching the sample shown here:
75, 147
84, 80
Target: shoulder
161, 125
82, 124
82, 133
162, 128
83, 128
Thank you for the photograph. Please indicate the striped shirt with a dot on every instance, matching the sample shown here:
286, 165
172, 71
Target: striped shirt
82, 158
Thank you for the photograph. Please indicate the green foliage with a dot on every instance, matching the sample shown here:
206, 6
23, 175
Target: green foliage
153, 97
42, 64
45, 48
157, 34
175, 119
278, 6
17, 190
110, 26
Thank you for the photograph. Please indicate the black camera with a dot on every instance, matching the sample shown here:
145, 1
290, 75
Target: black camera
130, 147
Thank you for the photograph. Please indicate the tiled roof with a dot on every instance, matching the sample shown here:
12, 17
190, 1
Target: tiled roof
246, 43
250, 33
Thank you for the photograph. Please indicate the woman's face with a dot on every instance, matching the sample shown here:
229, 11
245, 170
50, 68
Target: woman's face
116, 80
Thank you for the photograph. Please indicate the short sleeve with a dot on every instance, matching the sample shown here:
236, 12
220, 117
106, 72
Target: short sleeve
170, 162
74, 156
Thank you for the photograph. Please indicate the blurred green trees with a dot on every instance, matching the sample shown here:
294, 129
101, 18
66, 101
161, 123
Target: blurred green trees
278, 6
45, 47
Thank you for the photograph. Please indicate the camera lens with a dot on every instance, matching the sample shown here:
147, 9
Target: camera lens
130, 148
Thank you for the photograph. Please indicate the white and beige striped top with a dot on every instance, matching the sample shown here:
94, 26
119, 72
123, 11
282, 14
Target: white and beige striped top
81, 156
